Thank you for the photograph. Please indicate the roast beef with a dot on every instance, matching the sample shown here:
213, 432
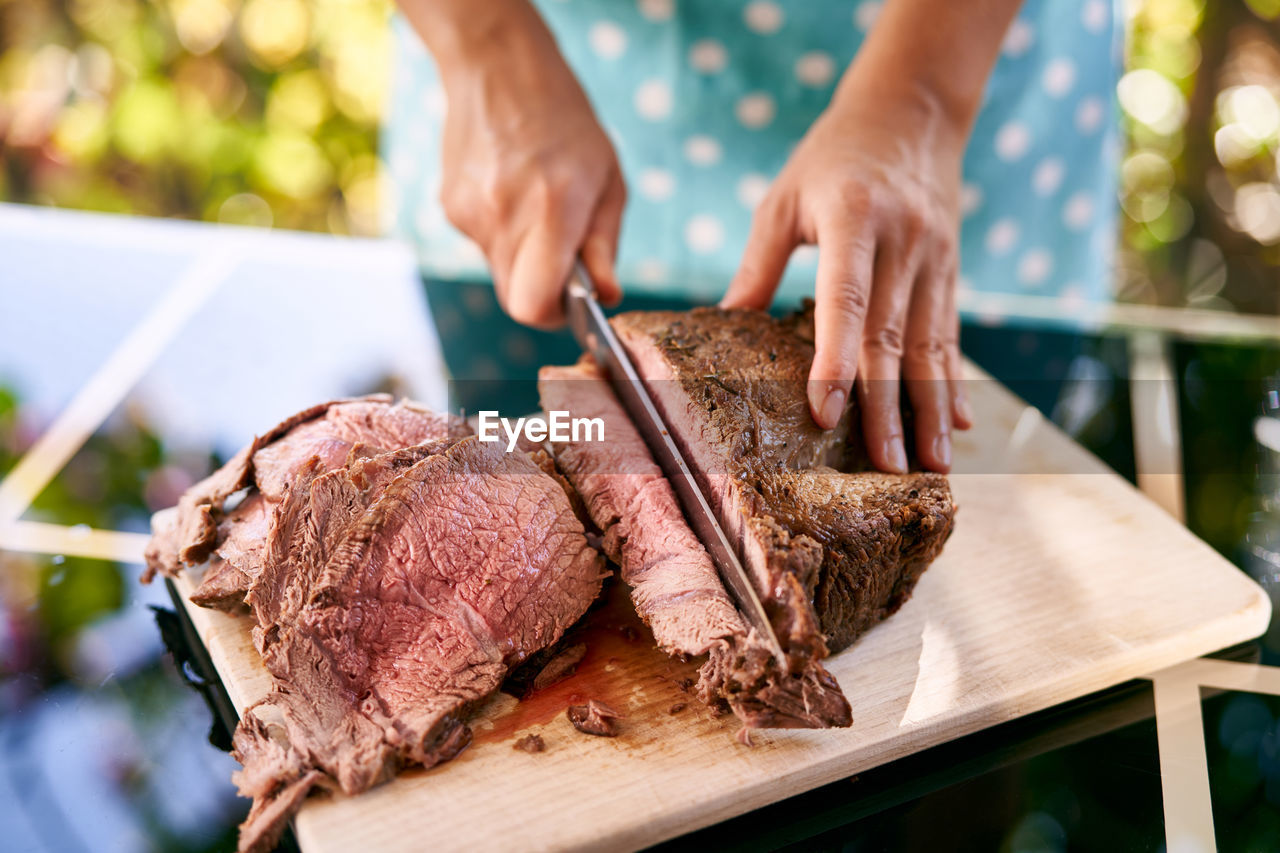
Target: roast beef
833, 548
392, 590
673, 582
326, 432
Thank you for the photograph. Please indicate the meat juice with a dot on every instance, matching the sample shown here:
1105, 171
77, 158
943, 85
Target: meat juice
619, 646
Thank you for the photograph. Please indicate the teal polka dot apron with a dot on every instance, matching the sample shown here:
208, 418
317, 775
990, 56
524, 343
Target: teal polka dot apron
704, 100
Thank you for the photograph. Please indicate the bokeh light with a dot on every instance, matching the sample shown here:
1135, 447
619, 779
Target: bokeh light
1201, 101
275, 31
254, 112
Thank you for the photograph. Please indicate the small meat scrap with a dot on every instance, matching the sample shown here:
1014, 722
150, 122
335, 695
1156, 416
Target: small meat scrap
594, 718
530, 743
677, 708
560, 666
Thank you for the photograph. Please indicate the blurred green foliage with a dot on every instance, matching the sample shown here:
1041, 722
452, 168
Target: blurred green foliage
1199, 183
265, 112
11, 442
261, 112
111, 484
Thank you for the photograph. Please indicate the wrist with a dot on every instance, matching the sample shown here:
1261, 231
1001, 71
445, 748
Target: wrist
917, 109
464, 36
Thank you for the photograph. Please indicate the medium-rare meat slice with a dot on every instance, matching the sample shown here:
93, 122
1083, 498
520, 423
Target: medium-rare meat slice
313, 516
673, 582
188, 536
241, 538
395, 569
674, 585
394, 592
832, 549
442, 578
327, 432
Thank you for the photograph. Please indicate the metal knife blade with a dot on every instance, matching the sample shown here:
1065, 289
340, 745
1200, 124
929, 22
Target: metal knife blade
595, 335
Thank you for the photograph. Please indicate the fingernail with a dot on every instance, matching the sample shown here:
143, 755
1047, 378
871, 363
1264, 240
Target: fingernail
963, 409
833, 407
896, 455
942, 450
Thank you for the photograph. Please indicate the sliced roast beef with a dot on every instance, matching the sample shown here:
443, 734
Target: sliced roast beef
833, 548
430, 579
327, 433
674, 585
673, 582
392, 590
190, 537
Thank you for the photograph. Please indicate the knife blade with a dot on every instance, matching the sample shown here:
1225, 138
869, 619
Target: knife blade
594, 334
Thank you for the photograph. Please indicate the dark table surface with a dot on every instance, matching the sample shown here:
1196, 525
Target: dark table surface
121, 343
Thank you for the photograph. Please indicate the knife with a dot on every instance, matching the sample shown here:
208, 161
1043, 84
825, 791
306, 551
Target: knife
595, 336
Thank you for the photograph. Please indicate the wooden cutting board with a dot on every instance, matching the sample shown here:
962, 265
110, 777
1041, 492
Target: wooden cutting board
1060, 580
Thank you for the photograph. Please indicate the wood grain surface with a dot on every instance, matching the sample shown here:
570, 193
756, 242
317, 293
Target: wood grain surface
1060, 580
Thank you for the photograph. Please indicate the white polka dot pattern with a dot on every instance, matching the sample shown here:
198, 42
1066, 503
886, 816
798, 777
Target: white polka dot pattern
1002, 237
1090, 114
864, 16
657, 184
1034, 267
657, 10
1019, 38
1078, 211
708, 56
816, 69
702, 150
763, 16
1059, 75
651, 270
607, 40
755, 110
752, 188
1048, 176
1012, 141
805, 257
704, 233
1095, 15
653, 100
705, 101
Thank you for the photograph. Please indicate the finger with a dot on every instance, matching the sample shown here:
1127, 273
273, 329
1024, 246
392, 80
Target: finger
600, 248
880, 369
961, 412
769, 247
846, 254
924, 366
541, 265
500, 251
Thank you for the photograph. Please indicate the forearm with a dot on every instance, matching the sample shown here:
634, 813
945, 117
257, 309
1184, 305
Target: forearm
932, 54
463, 33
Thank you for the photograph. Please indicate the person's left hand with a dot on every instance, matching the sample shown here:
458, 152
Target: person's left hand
875, 184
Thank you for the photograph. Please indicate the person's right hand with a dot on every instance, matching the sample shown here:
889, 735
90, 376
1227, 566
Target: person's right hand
529, 174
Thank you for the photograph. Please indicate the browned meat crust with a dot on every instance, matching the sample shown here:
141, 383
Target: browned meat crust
675, 586
594, 718
833, 547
